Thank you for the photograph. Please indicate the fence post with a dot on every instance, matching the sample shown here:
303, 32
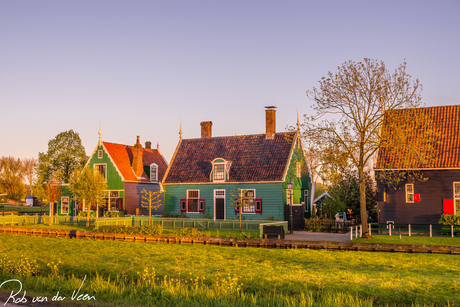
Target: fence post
452, 230
351, 232
356, 232
409, 230
389, 229
431, 230
360, 231
370, 229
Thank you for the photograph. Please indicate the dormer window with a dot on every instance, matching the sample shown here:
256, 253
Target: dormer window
153, 172
220, 169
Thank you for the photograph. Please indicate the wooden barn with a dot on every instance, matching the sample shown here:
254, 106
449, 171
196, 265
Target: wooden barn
128, 170
423, 202
204, 171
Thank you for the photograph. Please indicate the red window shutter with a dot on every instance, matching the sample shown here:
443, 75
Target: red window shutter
183, 205
258, 202
237, 203
448, 206
201, 205
416, 198
120, 204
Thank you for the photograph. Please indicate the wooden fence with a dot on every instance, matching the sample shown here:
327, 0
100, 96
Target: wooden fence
321, 225
432, 230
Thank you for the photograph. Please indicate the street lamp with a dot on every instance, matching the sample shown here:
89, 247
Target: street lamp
290, 186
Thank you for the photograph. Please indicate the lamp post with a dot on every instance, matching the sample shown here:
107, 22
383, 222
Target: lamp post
290, 186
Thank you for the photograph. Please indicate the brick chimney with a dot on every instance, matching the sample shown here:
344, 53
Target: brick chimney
148, 145
206, 130
138, 166
270, 122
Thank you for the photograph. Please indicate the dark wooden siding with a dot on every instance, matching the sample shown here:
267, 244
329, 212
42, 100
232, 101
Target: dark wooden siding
133, 198
439, 186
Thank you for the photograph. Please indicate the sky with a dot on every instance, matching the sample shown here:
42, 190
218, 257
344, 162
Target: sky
144, 67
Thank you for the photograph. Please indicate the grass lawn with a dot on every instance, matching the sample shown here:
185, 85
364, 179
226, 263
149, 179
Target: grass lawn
142, 274
444, 240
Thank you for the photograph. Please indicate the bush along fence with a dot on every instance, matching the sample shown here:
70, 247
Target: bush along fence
415, 229
168, 223
44, 219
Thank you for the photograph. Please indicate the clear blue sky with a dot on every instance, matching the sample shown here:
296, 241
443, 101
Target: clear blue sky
140, 67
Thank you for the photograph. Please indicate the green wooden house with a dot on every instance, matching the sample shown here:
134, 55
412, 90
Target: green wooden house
204, 171
67, 203
128, 170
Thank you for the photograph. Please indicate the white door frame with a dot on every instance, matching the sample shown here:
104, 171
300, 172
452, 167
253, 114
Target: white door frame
214, 200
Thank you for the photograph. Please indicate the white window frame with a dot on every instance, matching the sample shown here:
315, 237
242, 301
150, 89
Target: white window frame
248, 209
197, 201
456, 194
68, 204
109, 197
409, 191
105, 168
99, 154
154, 166
298, 169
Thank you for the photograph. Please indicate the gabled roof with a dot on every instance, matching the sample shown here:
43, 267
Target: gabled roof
444, 122
253, 158
122, 157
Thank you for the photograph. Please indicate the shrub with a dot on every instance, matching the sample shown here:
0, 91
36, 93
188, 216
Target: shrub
449, 219
114, 214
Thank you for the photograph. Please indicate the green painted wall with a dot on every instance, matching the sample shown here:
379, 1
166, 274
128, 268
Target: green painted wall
114, 180
270, 193
300, 184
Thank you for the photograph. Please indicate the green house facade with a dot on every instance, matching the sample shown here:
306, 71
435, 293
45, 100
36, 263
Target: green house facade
128, 171
205, 175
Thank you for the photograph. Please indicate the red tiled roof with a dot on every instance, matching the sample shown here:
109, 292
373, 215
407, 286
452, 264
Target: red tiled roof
253, 158
444, 123
122, 156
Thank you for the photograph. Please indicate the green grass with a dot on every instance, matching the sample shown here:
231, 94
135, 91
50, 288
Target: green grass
444, 240
142, 274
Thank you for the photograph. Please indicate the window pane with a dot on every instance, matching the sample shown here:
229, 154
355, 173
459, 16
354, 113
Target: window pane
193, 205
114, 194
219, 172
193, 194
153, 173
456, 189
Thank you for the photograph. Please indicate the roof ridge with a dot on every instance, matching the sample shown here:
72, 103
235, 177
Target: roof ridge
244, 135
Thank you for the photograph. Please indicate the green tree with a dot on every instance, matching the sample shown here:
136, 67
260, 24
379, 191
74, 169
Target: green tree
150, 200
350, 108
65, 153
345, 194
11, 177
239, 201
89, 186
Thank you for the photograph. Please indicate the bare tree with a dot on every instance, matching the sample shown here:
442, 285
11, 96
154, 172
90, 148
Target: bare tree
150, 200
29, 172
350, 107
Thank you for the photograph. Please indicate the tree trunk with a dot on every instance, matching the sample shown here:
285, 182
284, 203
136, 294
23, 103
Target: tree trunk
51, 213
362, 202
150, 212
88, 213
241, 209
